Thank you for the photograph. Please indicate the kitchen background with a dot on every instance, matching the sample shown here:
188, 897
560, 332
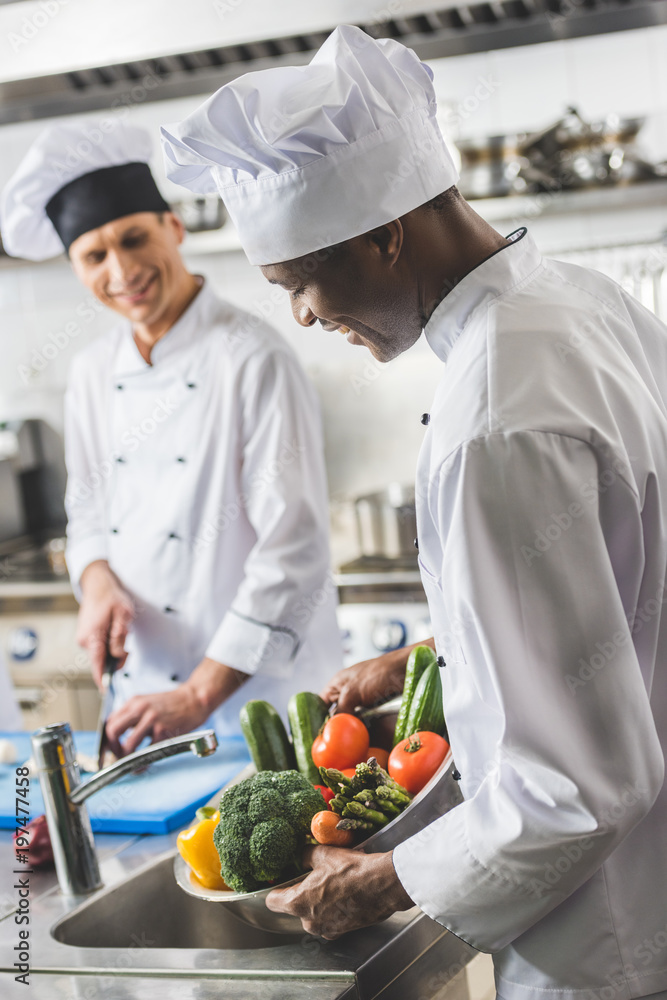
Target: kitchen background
603, 203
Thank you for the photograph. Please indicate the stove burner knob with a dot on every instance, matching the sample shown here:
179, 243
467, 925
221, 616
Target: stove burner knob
388, 634
23, 643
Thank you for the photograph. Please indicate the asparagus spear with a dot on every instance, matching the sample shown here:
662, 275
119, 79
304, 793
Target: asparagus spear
384, 792
381, 776
338, 803
355, 810
388, 808
334, 778
354, 824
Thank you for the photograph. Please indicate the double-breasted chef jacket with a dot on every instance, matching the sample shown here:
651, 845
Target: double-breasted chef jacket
542, 522
200, 478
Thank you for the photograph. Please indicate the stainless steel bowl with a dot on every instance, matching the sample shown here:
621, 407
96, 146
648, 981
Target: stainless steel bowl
247, 906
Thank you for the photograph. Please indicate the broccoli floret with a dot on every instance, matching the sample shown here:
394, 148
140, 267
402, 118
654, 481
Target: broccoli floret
265, 803
237, 825
302, 806
290, 782
273, 847
265, 779
263, 825
235, 864
236, 798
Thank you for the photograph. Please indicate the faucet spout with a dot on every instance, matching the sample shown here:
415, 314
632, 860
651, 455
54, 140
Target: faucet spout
65, 794
202, 744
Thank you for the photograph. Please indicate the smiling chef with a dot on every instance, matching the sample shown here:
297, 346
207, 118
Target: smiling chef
197, 502
542, 520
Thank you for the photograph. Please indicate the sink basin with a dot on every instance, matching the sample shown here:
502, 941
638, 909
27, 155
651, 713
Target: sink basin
151, 911
142, 936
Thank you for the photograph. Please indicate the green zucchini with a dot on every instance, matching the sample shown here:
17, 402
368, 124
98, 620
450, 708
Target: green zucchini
426, 706
306, 713
419, 659
266, 737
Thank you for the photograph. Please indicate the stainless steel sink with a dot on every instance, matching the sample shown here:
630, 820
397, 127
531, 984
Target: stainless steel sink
151, 911
142, 937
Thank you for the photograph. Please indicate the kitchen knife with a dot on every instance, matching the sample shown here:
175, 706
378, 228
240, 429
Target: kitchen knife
387, 708
110, 664
376, 712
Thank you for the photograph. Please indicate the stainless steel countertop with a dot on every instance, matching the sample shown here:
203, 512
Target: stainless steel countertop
398, 956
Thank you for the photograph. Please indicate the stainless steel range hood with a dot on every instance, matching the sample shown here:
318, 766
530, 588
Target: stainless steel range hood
67, 56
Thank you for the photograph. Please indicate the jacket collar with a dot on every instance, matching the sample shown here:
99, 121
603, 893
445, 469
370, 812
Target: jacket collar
196, 318
500, 272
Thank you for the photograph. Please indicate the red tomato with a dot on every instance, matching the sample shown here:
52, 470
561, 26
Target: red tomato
413, 762
349, 772
381, 756
323, 755
343, 743
326, 793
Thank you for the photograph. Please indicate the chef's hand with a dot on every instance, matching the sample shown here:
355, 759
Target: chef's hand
161, 716
370, 682
105, 616
345, 890
170, 713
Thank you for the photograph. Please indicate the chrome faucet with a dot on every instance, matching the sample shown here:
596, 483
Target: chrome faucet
64, 795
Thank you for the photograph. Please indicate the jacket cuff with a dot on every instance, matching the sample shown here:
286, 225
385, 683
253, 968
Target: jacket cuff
252, 646
80, 554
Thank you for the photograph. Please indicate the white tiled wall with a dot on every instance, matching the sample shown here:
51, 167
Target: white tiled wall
371, 411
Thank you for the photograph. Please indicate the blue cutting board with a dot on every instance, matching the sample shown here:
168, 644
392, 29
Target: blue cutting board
159, 800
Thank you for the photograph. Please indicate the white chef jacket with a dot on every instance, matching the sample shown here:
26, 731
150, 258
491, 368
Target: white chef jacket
201, 479
542, 523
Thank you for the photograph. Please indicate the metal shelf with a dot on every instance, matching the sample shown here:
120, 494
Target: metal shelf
600, 199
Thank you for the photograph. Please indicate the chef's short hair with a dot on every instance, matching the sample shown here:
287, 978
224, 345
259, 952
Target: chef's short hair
445, 200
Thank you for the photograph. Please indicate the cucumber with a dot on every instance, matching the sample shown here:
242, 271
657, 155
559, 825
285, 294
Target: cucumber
426, 706
419, 659
266, 737
306, 713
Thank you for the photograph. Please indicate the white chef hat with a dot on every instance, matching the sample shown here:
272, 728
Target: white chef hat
75, 177
308, 156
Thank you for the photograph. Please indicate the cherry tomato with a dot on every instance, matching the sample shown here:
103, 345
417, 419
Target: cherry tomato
381, 756
413, 762
343, 743
327, 793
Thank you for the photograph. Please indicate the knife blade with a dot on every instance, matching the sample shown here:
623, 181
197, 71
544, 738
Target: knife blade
110, 665
386, 708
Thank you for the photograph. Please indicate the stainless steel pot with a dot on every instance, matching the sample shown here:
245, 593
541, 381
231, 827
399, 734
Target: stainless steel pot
574, 153
490, 167
202, 214
386, 522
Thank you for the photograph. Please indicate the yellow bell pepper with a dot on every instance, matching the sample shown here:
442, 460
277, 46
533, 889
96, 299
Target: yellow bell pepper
197, 849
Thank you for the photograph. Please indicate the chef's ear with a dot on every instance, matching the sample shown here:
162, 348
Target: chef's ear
172, 220
387, 240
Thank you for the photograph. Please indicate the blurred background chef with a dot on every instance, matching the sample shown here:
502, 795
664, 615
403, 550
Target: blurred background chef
196, 499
